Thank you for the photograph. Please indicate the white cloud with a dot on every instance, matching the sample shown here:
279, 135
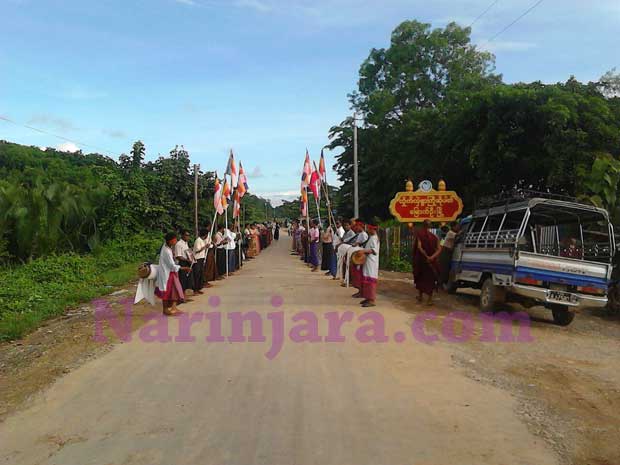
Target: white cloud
256, 173
187, 2
68, 147
277, 198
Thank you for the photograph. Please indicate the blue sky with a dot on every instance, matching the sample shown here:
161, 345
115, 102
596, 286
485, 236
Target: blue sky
265, 77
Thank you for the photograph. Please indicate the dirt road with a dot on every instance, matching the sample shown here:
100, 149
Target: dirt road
314, 403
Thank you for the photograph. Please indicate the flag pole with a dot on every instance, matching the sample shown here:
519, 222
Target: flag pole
196, 168
308, 225
215, 213
226, 223
318, 201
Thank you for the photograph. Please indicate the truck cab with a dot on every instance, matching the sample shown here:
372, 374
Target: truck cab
536, 250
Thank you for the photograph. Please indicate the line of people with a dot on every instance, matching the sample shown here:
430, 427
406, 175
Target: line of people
338, 245
184, 267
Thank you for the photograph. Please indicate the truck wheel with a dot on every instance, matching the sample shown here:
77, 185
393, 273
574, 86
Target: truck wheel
562, 316
451, 286
613, 306
491, 296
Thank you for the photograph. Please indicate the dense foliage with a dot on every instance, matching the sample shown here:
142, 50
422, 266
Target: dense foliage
53, 202
432, 108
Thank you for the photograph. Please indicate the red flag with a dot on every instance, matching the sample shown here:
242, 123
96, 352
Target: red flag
217, 197
315, 184
322, 171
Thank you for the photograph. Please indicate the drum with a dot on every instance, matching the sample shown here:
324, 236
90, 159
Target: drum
358, 258
147, 271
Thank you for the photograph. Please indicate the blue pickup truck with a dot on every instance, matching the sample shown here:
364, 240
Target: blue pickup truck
536, 250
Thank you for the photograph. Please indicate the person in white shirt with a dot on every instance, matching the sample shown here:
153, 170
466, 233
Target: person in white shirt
200, 254
231, 246
220, 243
314, 237
210, 272
355, 271
370, 269
336, 241
168, 286
184, 256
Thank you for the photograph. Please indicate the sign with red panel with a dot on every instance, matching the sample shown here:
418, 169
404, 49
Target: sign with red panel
426, 204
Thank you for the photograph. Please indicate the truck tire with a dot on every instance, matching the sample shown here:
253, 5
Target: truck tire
613, 305
491, 296
562, 316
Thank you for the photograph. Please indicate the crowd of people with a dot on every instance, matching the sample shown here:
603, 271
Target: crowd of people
218, 252
348, 251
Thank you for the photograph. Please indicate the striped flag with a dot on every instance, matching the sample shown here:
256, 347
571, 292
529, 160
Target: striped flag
322, 171
217, 197
242, 187
225, 195
304, 203
231, 170
236, 204
307, 171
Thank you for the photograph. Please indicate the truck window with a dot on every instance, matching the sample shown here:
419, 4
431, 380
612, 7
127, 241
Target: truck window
569, 233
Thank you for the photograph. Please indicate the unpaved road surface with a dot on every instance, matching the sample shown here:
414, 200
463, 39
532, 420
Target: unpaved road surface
341, 403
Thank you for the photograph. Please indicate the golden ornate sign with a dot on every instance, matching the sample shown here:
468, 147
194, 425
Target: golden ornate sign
426, 203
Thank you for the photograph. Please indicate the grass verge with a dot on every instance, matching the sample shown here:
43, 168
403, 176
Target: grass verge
46, 287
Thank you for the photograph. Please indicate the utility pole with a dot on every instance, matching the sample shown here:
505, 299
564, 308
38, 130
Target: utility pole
196, 168
356, 200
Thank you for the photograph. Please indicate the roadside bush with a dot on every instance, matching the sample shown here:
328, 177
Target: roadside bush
45, 287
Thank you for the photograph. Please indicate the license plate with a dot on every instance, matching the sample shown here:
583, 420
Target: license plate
562, 297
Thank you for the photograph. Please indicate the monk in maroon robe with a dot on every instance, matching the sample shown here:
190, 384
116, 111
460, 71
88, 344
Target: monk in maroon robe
426, 269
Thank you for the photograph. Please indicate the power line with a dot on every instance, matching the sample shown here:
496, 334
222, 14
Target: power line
484, 13
42, 131
516, 20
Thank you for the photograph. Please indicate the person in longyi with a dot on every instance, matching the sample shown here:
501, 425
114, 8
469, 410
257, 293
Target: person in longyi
426, 269
342, 252
168, 286
200, 254
210, 271
355, 271
370, 269
184, 256
337, 240
313, 237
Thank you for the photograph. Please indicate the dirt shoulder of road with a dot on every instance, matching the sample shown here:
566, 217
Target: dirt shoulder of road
60, 345
567, 381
